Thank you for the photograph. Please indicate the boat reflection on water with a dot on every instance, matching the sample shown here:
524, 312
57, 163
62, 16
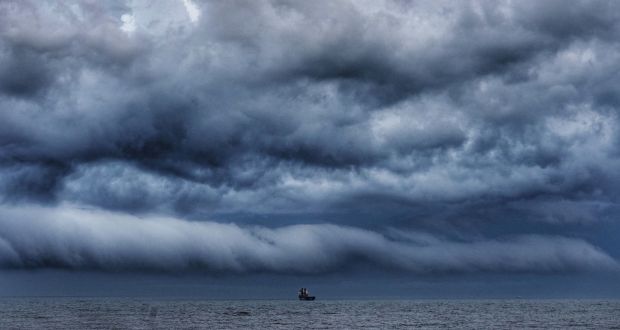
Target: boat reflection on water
304, 294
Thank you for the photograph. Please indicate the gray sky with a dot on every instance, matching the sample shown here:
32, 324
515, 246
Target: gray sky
374, 142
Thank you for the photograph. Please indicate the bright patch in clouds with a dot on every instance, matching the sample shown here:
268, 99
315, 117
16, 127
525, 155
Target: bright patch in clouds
129, 23
192, 10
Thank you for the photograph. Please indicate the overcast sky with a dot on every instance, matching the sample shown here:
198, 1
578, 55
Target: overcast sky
235, 141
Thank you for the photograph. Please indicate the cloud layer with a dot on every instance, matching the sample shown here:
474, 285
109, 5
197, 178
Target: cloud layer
94, 240
307, 105
471, 121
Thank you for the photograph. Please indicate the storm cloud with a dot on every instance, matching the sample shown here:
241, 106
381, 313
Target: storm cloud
492, 125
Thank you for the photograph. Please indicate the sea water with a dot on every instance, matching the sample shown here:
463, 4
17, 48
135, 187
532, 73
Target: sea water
127, 313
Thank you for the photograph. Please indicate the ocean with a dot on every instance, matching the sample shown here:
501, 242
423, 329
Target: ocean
129, 313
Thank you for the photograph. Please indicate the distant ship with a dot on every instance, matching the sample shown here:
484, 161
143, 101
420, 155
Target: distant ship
304, 294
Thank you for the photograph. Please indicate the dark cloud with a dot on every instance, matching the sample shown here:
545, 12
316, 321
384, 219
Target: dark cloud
435, 116
23, 74
32, 182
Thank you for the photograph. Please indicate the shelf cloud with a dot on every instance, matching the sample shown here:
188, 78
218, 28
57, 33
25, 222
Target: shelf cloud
93, 240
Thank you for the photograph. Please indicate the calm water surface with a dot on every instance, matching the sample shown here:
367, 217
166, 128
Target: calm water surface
107, 313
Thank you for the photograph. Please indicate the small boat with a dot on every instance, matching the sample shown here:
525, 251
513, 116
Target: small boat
304, 294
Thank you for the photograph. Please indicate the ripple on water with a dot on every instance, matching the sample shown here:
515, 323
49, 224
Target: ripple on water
67, 313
